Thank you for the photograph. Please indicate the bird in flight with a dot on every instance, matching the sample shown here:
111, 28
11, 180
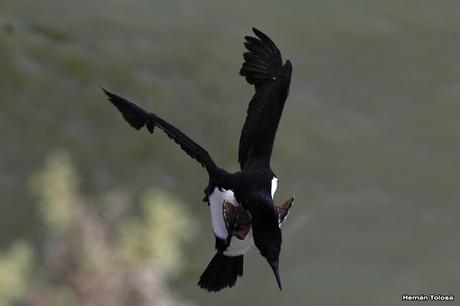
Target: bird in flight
241, 204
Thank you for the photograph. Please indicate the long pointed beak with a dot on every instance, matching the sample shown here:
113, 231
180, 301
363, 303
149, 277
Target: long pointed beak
275, 267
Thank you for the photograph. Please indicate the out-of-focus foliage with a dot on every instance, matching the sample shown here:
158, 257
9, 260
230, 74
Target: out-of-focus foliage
157, 238
91, 254
57, 187
15, 272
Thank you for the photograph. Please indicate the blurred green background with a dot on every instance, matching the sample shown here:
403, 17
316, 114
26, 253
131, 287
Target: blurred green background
369, 144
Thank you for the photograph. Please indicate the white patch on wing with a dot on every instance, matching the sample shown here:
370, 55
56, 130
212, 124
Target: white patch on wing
274, 185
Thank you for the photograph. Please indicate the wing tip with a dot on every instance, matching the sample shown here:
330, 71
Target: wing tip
133, 114
110, 96
264, 37
256, 31
263, 61
104, 90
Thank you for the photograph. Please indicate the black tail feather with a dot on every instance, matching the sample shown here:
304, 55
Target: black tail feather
221, 272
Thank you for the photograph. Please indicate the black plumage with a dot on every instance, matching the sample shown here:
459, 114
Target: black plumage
264, 69
137, 118
252, 187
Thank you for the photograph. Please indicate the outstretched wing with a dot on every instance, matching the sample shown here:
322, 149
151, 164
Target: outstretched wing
263, 68
137, 118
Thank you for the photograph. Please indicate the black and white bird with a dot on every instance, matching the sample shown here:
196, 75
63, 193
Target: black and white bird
242, 209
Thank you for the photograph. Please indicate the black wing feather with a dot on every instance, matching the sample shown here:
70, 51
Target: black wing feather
263, 67
138, 117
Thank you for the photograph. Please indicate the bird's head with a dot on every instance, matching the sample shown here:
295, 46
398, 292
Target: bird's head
267, 233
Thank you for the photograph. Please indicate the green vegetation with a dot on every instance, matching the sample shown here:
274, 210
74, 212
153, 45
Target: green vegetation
95, 255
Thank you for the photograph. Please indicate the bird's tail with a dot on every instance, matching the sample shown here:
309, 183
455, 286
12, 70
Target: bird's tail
221, 272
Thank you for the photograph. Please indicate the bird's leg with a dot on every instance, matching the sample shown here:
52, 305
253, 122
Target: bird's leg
283, 210
237, 220
230, 214
243, 224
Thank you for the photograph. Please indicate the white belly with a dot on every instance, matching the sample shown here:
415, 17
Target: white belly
216, 200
